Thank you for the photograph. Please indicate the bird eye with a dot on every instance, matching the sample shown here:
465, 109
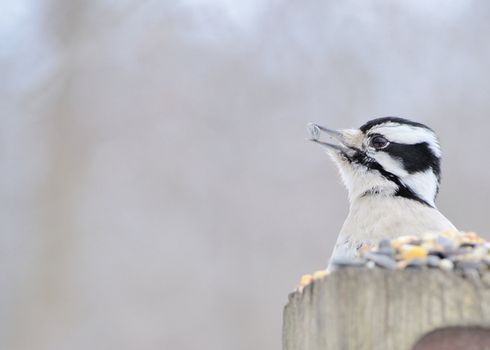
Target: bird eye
379, 142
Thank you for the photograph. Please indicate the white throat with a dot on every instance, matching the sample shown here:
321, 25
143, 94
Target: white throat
360, 181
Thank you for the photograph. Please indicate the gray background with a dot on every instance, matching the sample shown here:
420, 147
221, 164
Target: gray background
157, 191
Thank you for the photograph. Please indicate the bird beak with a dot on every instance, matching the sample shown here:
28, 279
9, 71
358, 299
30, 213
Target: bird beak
342, 146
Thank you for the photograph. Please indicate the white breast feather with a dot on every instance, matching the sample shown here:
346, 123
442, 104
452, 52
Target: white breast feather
386, 217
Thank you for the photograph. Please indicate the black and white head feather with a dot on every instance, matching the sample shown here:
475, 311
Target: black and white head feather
388, 157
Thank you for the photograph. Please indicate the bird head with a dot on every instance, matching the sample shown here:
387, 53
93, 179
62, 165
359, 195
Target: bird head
386, 156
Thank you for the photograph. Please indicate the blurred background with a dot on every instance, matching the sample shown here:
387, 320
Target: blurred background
157, 190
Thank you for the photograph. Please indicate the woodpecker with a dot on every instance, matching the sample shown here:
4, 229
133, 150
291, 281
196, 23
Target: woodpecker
391, 168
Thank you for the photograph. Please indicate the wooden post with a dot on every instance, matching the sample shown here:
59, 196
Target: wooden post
376, 309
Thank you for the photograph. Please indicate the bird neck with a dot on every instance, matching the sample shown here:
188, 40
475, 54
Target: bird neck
402, 192
421, 187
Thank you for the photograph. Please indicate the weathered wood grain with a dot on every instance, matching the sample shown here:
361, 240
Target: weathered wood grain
375, 309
